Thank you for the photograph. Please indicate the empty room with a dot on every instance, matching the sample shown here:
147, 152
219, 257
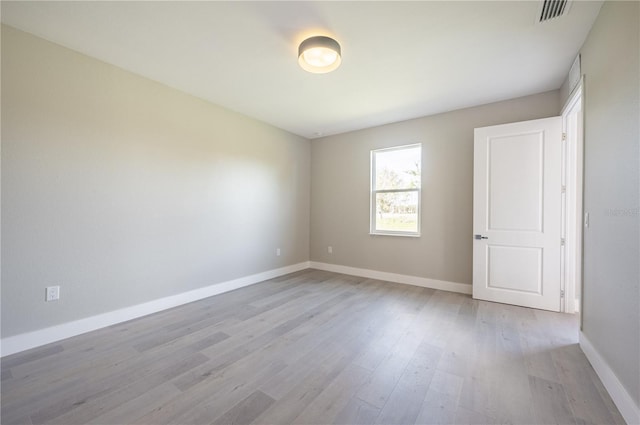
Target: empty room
320, 212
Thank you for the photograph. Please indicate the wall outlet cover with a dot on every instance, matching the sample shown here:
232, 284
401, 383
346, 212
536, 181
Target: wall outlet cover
52, 293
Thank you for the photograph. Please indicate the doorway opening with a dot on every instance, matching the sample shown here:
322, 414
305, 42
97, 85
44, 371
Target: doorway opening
573, 153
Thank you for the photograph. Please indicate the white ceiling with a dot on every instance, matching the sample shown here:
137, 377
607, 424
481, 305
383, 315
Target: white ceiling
401, 60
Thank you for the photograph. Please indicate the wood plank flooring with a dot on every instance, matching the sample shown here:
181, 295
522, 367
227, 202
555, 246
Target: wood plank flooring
315, 347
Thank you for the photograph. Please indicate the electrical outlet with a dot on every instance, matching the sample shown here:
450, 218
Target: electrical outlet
52, 293
330, 249
278, 252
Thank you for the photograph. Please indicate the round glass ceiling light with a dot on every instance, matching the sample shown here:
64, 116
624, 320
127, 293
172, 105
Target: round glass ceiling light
319, 54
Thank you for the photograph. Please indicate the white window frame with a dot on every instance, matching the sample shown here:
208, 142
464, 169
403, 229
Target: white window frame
374, 191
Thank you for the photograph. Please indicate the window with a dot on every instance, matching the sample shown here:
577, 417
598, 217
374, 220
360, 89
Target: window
395, 190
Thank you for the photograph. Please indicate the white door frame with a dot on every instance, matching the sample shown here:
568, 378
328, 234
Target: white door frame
571, 262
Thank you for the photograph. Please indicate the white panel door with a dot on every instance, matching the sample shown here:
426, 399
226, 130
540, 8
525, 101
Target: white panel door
517, 216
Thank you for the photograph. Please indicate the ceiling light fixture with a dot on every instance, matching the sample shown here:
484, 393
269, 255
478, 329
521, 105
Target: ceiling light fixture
319, 54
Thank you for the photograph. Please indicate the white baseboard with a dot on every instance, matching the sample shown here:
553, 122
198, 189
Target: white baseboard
394, 277
25, 341
28, 340
623, 400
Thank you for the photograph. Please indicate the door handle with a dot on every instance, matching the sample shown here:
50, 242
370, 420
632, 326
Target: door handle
478, 237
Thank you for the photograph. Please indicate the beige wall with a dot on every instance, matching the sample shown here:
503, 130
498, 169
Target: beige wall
565, 91
340, 191
122, 190
611, 305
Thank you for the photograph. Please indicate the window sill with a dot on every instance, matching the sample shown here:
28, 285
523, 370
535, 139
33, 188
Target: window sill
404, 235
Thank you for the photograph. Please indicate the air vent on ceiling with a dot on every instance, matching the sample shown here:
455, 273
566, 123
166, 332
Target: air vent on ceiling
551, 9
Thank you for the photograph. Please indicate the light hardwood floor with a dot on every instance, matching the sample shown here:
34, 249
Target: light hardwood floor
315, 348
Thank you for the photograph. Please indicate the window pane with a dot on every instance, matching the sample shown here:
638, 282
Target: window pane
398, 169
397, 211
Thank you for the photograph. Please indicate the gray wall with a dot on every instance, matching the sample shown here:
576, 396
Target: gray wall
611, 306
340, 191
122, 190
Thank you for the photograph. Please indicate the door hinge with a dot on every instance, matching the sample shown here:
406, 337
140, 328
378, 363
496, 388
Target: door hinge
564, 137
562, 293
564, 189
561, 241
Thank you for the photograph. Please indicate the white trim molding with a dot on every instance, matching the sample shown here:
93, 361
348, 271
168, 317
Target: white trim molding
622, 399
572, 171
25, 341
394, 277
